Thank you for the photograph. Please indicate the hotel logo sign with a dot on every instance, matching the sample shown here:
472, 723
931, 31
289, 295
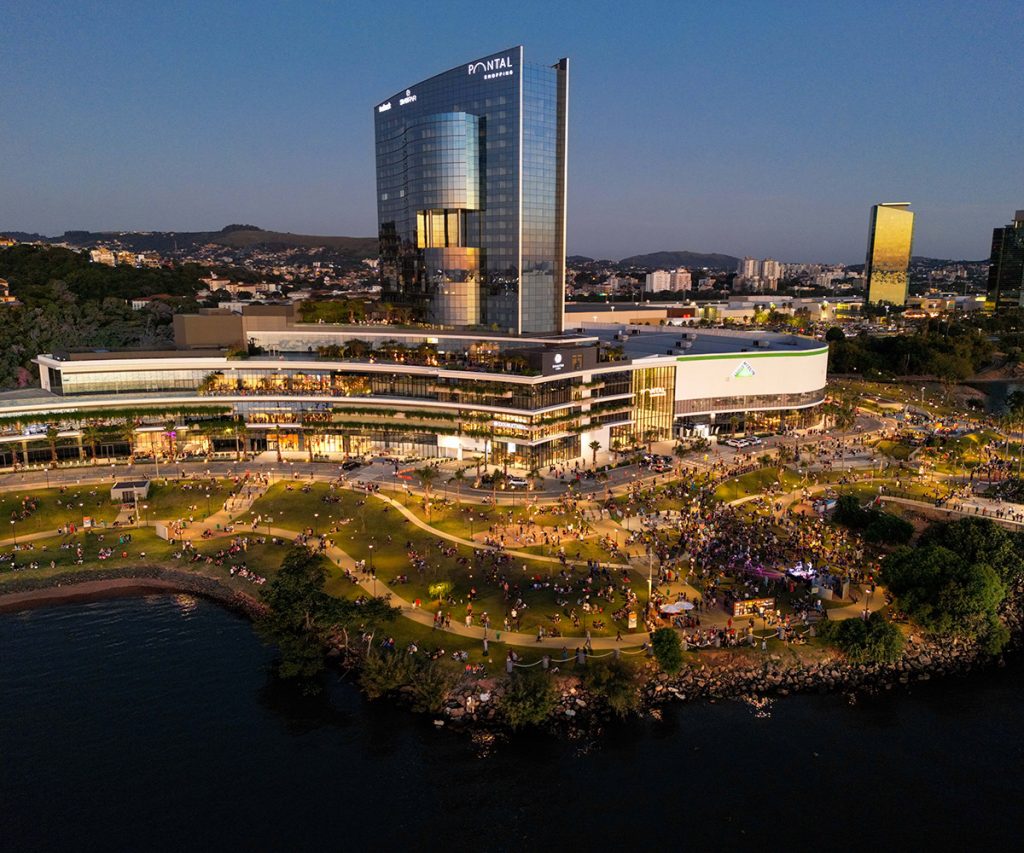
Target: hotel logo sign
498, 67
744, 371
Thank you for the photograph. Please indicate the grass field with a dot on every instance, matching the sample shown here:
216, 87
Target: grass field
359, 521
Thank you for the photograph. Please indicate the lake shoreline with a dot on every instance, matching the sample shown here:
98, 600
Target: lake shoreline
139, 580
473, 706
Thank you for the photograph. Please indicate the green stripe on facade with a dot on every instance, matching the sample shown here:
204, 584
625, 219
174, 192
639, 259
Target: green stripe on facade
746, 355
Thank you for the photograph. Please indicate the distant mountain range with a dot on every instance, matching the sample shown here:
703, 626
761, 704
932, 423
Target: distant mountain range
233, 236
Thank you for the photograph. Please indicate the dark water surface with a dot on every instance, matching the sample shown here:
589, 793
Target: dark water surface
149, 723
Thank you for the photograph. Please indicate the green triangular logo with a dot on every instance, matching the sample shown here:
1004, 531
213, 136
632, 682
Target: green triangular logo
744, 371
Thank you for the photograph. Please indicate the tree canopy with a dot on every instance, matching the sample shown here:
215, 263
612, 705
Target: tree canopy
946, 593
302, 616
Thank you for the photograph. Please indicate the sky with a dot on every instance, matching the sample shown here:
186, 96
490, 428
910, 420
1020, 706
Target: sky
749, 128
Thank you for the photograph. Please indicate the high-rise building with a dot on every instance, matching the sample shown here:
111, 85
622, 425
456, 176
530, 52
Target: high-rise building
771, 272
890, 240
471, 194
657, 281
680, 280
1006, 265
747, 268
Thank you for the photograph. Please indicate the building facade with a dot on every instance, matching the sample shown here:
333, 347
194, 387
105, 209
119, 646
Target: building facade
471, 194
340, 391
1006, 264
890, 242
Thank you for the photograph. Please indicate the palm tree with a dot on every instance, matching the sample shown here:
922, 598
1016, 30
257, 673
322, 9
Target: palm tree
126, 430
51, 436
426, 475
277, 442
459, 477
650, 436
594, 447
90, 436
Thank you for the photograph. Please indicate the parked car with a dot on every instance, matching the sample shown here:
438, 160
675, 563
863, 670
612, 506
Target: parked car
517, 482
351, 465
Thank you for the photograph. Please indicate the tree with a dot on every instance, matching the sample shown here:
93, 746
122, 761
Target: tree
650, 436
459, 477
301, 616
90, 437
427, 475
835, 334
945, 593
127, 432
668, 650
297, 604
980, 540
528, 699
871, 640
51, 437
594, 447
616, 683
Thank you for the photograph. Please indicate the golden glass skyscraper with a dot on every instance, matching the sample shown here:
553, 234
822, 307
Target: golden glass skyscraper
889, 243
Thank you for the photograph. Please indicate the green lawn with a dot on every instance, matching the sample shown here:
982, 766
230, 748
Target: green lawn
894, 449
756, 482
359, 521
58, 507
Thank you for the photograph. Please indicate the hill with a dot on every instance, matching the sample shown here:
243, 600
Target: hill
668, 260
234, 236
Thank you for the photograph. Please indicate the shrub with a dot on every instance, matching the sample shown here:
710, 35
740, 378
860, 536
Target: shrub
431, 685
528, 699
615, 683
386, 672
668, 650
874, 640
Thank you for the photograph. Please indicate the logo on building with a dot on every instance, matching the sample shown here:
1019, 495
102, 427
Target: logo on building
491, 68
744, 371
408, 99
383, 108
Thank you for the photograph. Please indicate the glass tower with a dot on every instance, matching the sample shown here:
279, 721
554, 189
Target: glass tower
1006, 265
890, 239
471, 174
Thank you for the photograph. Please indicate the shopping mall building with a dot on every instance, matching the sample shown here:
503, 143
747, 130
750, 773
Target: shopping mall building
261, 381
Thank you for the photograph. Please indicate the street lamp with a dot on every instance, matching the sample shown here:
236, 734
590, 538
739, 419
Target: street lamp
14, 532
373, 574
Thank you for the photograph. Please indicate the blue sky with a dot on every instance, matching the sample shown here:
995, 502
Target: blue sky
748, 128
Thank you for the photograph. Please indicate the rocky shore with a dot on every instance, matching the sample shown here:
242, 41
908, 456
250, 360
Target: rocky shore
475, 705
727, 677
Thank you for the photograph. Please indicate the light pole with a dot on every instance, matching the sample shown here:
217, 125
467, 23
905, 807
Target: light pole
14, 532
373, 574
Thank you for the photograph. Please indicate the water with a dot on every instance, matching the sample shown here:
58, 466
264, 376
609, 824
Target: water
996, 394
150, 723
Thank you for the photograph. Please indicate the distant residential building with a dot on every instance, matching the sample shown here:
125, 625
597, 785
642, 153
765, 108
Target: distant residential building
747, 268
6, 241
5, 293
657, 281
680, 280
890, 240
103, 255
771, 272
1006, 264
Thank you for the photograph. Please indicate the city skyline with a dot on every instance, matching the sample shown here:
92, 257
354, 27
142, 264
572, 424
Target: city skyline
758, 130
